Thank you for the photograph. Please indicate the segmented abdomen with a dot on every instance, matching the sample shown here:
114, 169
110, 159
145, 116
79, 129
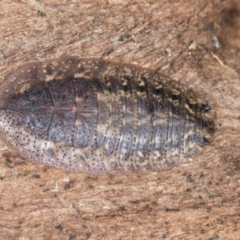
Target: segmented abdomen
92, 116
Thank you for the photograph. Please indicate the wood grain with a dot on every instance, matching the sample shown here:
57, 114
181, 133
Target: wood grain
194, 42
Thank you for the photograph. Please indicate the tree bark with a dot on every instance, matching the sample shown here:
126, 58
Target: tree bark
194, 42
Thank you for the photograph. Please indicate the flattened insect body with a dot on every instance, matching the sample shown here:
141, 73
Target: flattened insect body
93, 116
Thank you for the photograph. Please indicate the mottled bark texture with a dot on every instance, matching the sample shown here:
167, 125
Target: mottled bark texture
194, 42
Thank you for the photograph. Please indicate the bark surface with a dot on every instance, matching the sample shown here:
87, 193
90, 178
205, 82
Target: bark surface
194, 42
